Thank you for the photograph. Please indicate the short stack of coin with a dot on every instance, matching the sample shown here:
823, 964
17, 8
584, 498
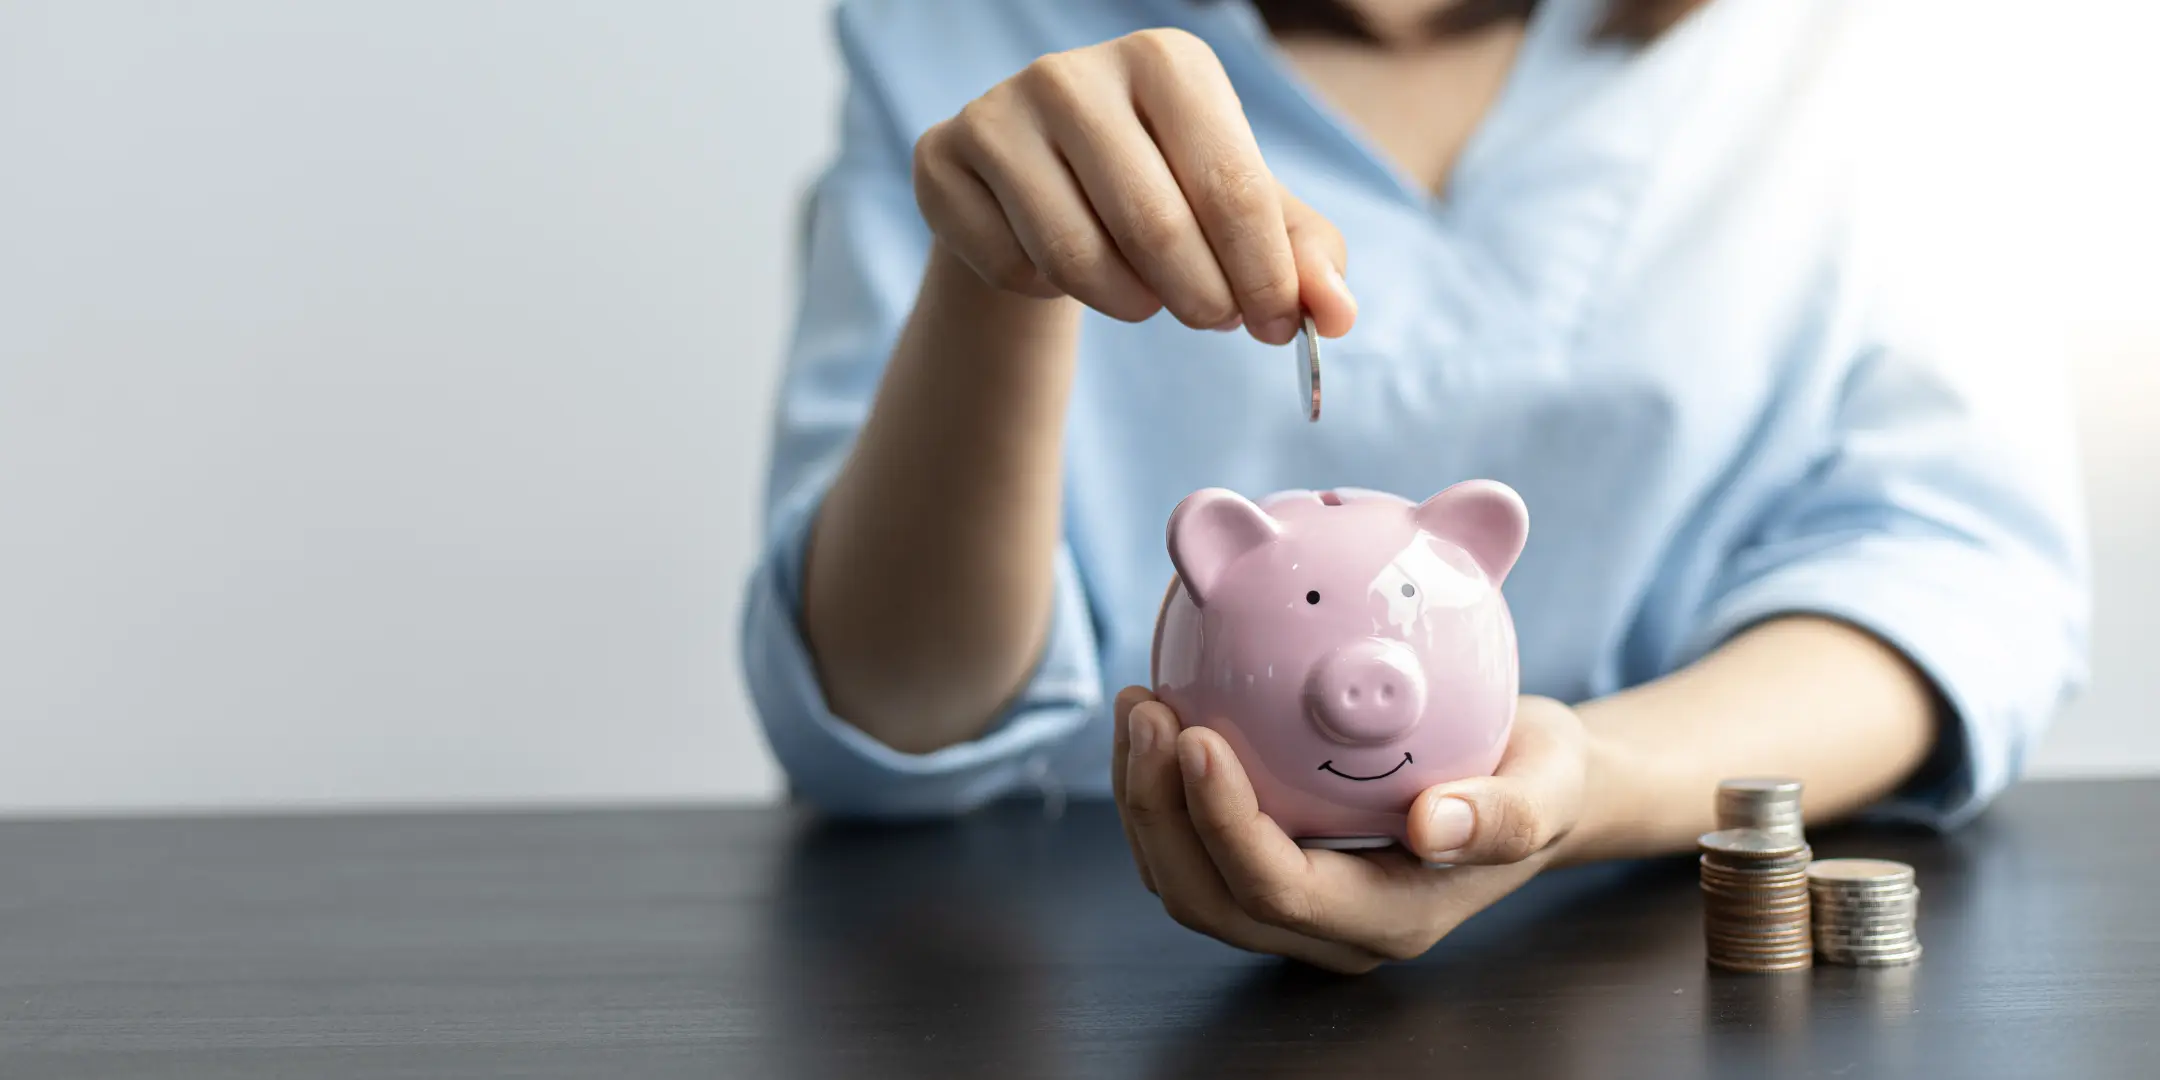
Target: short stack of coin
1769, 803
1865, 911
1755, 901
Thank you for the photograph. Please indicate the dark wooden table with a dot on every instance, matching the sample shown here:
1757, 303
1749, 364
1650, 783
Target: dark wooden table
722, 943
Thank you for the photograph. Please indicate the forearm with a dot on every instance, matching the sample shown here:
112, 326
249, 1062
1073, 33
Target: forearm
928, 579
1803, 697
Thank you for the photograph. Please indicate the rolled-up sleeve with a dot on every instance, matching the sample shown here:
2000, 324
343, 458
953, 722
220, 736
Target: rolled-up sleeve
1943, 514
864, 249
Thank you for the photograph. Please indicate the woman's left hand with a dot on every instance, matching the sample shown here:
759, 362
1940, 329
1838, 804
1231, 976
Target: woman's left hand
1227, 870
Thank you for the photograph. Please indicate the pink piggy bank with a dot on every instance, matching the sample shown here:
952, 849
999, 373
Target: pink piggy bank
1351, 646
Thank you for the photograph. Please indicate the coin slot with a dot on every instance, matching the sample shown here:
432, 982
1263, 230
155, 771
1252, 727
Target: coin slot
1329, 498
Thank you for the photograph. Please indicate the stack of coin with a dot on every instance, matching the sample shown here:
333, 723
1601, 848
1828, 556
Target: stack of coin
1865, 911
1755, 901
1769, 803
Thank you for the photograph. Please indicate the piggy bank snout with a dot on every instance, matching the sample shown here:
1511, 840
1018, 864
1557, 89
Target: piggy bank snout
1369, 691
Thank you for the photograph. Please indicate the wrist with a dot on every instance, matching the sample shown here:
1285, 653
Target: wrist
1618, 796
948, 280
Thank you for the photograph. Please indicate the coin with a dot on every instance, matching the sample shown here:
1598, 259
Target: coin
1847, 873
1768, 906
1825, 928
1309, 369
1768, 803
1899, 952
1887, 960
1764, 888
1773, 785
1772, 942
1754, 845
1900, 909
1865, 911
1758, 967
1756, 907
1794, 876
1873, 947
1789, 894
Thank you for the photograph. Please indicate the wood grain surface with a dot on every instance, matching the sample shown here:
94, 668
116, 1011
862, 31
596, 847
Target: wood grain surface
758, 943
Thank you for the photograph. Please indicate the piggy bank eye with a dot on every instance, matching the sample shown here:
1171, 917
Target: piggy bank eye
1409, 589
1313, 597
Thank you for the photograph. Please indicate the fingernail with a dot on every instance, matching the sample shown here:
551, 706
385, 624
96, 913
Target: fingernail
1233, 323
1193, 758
1278, 330
1334, 278
1143, 735
1448, 825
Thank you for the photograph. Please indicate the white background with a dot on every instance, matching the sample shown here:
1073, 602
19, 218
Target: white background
383, 388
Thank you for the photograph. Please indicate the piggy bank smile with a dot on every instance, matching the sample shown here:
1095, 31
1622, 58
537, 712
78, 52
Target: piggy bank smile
1352, 647
1328, 766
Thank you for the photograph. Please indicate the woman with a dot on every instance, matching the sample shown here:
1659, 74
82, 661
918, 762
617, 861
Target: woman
1616, 257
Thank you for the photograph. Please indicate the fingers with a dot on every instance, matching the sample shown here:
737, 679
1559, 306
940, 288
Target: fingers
1120, 751
1322, 894
1529, 802
1322, 259
1186, 99
1265, 870
1185, 876
1127, 176
1139, 203
1047, 212
967, 219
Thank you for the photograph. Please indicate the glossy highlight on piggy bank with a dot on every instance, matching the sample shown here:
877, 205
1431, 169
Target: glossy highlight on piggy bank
1351, 646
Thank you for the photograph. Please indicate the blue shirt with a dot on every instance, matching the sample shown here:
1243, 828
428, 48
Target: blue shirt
1647, 302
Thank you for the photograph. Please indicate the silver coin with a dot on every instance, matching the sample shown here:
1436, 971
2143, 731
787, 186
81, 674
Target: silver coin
1742, 897
1893, 960
1867, 948
1864, 935
1770, 870
1867, 909
1863, 873
1886, 959
1842, 896
1783, 876
1730, 905
1826, 883
1797, 949
1854, 954
1760, 785
1884, 944
1753, 845
1757, 884
1783, 830
1835, 892
1309, 369
1761, 969
1899, 923
1854, 924
1791, 933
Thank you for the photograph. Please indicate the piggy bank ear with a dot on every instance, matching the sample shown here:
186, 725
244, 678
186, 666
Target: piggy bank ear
1208, 531
1483, 517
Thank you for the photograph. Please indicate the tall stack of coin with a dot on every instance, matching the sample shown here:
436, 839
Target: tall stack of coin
1769, 803
1755, 901
1865, 911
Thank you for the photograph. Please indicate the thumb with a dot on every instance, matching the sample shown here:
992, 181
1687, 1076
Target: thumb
1533, 799
1322, 260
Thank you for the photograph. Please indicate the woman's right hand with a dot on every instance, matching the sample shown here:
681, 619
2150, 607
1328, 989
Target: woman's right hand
1125, 176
